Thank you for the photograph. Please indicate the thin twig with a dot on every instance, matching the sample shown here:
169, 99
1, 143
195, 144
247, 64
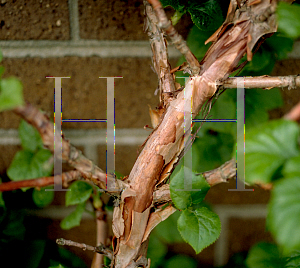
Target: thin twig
176, 38
221, 174
291, 81
101, 249
70, 154
65, 177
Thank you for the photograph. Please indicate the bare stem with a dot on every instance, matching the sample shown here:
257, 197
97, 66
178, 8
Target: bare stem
221, 174
101, 249
291, 81
66, 178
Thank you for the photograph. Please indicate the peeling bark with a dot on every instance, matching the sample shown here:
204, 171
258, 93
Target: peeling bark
246, 23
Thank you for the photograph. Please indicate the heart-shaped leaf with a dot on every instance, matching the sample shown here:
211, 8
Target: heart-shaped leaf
264, 255
199, 228
267, 148
11, 93
74, 218
284, 214
183, 198
80, 191
27, 165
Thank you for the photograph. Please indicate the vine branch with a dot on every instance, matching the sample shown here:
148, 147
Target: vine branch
65, 177
70, 154
176, 38
265, 81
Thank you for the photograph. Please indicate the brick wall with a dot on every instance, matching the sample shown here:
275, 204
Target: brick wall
88, 39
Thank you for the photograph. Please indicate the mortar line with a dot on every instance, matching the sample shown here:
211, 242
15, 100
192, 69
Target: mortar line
74, 20
88, 48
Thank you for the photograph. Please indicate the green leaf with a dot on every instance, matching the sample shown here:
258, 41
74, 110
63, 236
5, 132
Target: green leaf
30, 137
288, 19
180, 261
57, 266
173, 3
199, 228
27, 165
291, 167
167, 230
2, 69
11, 93
264, 255
74, 218
43, 198
176, 17
206, 15
268, 146
257, 104
80, 192
293, 261
185, 199
284, 214
156, 250
1, 56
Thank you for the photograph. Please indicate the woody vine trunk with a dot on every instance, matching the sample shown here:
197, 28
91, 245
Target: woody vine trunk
247, 23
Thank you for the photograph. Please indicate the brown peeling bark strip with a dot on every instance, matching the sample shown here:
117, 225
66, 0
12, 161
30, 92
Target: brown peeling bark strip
160, 55
69, 153
150, 162
221, 59
40, 182
176, 38
291, 81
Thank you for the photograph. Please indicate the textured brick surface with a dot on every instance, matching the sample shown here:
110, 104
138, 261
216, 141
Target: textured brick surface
84, 94
115, 20
290, 97
219, 194
31, 19
125, 158
244, 233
